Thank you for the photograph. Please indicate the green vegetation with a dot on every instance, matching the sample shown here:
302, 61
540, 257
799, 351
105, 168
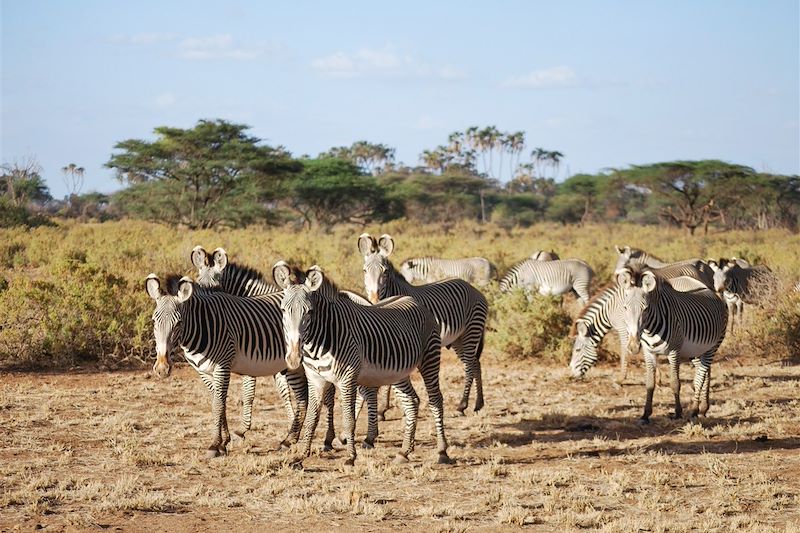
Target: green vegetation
74, 292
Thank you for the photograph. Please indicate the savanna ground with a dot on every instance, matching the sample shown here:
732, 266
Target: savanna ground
125, 451
89, 439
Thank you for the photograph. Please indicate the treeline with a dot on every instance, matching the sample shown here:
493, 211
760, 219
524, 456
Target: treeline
217, 175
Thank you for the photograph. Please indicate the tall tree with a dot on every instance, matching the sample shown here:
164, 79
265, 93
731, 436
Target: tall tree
213, 174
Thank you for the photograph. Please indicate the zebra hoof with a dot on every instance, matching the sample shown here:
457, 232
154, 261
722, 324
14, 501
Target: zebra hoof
367, 445
350, 461
444, 459
643, 421
400, 459
213, 452
238, 434
459, 412
676, 415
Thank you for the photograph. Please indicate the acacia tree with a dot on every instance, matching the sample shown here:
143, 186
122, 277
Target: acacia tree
688, 190
372, 158
213, 174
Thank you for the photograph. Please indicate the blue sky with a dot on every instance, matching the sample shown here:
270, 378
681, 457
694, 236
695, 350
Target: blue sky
607, 83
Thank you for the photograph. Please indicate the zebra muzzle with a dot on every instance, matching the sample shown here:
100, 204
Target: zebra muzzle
162, 367
634, 345
293, 356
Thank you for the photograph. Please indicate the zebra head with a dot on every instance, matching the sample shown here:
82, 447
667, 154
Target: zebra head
623, 257
584, 350
167, 317
376, 254
295, 305
721, 277
636, 287
209, 269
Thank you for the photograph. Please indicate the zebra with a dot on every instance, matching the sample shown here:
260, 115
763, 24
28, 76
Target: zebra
680, 325
220, 333
347, 344
459, 308
476, 270
694, 268
636, 257
739, 285
551, 278
541, 255
603, 313
214, 270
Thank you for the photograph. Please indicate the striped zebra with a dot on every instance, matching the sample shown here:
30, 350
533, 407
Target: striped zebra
681, 325
220, 333
605, 312
738, 286
541, 255
214, 270
459, 308
347, 344
694, 268
550, 278
476, 270
635, 257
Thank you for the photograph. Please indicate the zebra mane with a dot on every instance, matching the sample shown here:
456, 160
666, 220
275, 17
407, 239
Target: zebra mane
248, 271
643, 252
598, 293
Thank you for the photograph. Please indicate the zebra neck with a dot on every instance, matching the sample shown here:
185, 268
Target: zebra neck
396, 285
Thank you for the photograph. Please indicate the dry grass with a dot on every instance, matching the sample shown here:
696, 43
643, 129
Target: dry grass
124, 450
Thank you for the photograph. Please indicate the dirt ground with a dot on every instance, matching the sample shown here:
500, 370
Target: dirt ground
125, 451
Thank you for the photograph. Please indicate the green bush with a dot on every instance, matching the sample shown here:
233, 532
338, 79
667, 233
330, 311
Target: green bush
524, 328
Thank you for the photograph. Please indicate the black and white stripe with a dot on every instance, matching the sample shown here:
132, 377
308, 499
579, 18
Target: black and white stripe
681, 325
347, 345
476, 270
459, 308
550, 278
220, 333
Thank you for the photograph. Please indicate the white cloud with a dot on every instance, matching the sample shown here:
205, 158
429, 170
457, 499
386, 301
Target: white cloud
380, 63
165, 100
561, 77
215, 47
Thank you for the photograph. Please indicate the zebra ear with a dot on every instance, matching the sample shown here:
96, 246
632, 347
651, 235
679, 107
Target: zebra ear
617, 248
713, 265
153, 287
624, 278
366, 244
220, 259
281, 274
385, 245
648, 281
185, 289
199, 257
314, 278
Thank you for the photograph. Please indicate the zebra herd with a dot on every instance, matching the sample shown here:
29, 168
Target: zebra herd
313, 338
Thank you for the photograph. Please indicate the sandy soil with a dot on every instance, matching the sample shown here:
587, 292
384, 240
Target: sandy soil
124, 451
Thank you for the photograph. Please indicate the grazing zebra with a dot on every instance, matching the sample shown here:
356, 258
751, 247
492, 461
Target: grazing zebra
636, 257
476, 270
541, 255
220, 333
739, 285
214, 271
550, 278
605, 312
459, 308
680, 325
347, 344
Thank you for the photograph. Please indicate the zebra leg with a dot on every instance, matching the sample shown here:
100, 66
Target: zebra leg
248, 395
675, 381
702, 374
705, 400
478, 376
222, 376
650, 385
316, 388
285, 393
466, 352
299, 385
384, 406
430, 376
347, 393
407, 396
330, 434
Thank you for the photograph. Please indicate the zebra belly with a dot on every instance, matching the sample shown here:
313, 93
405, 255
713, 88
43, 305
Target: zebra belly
376, 376
322, 366
249, 366
689, 349
553, 289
